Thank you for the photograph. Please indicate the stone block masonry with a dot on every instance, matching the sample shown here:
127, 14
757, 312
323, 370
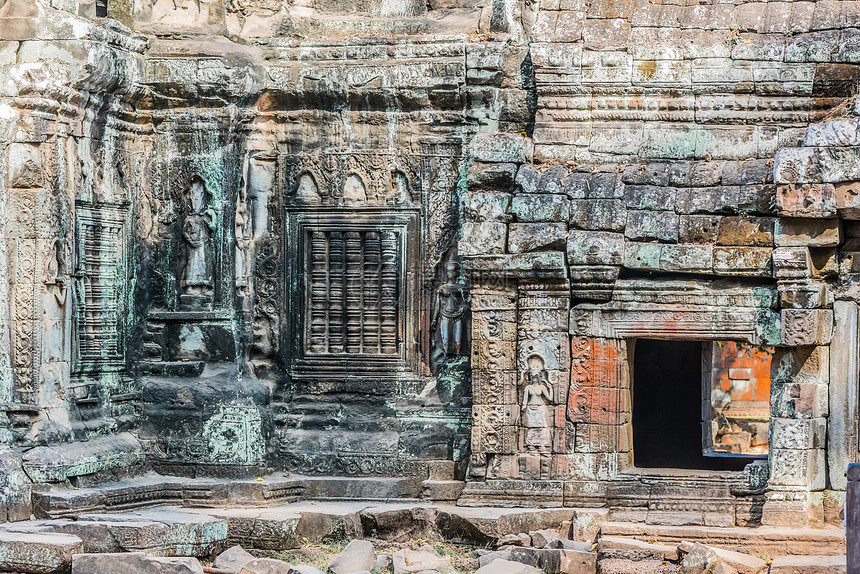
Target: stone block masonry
426, 243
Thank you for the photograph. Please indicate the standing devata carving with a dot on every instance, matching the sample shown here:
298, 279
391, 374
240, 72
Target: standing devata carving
536, 403
448, 316
196, 232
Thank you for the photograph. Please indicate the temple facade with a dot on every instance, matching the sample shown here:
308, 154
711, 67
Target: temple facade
550, 253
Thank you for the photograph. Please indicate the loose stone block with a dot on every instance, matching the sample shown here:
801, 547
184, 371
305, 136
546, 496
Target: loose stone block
524, 237
133, 563
808, 565
806, 326
792, 263
37, 553
807, 232
540, 207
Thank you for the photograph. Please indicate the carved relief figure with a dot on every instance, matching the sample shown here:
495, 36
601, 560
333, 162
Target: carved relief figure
448, 315
536, 406
196, 233
54, 303
243, 232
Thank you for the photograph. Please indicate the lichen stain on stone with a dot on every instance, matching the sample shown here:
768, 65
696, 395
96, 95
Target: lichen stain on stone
648, 69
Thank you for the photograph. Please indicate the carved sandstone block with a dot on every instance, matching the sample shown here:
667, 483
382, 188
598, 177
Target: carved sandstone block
806, 326
25, 166
595, 247
744, 261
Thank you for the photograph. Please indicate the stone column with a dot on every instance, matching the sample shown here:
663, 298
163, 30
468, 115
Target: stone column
844, 379
494, 386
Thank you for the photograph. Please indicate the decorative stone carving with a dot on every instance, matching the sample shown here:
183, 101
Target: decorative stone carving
197, 279
449, 309
54, 304
537, 401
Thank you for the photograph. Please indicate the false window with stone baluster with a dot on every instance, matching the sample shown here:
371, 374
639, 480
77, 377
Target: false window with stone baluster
351, 303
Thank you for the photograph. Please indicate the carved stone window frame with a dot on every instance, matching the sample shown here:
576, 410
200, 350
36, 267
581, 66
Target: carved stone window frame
320, 366
104, 215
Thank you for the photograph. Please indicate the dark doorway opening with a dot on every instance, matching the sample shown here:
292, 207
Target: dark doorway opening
101, 8
667, 408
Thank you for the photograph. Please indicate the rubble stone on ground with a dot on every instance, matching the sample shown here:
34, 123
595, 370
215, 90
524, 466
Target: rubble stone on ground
233, 558
37, 553
357, 556
133, 563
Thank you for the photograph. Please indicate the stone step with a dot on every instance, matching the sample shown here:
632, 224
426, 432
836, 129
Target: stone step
758, 541
51, 501
37, 553
808, 565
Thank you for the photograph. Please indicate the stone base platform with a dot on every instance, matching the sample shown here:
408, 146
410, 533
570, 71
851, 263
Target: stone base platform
760, 541
154, 490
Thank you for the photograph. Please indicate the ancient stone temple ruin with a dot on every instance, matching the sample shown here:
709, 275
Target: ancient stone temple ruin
558, 254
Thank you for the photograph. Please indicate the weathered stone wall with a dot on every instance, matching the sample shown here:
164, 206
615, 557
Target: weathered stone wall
526, 188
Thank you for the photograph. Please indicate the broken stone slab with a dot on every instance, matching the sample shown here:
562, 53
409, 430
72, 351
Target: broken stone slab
488, 557
265, 566
187, 534
303, 569
562, 544
15, 488
233, 558
424, 559
541, 538
665, 551
808, 565
133, 563
553, 561
502, 566
57, 463
518, 539
357, 556
37, 553
700, 554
